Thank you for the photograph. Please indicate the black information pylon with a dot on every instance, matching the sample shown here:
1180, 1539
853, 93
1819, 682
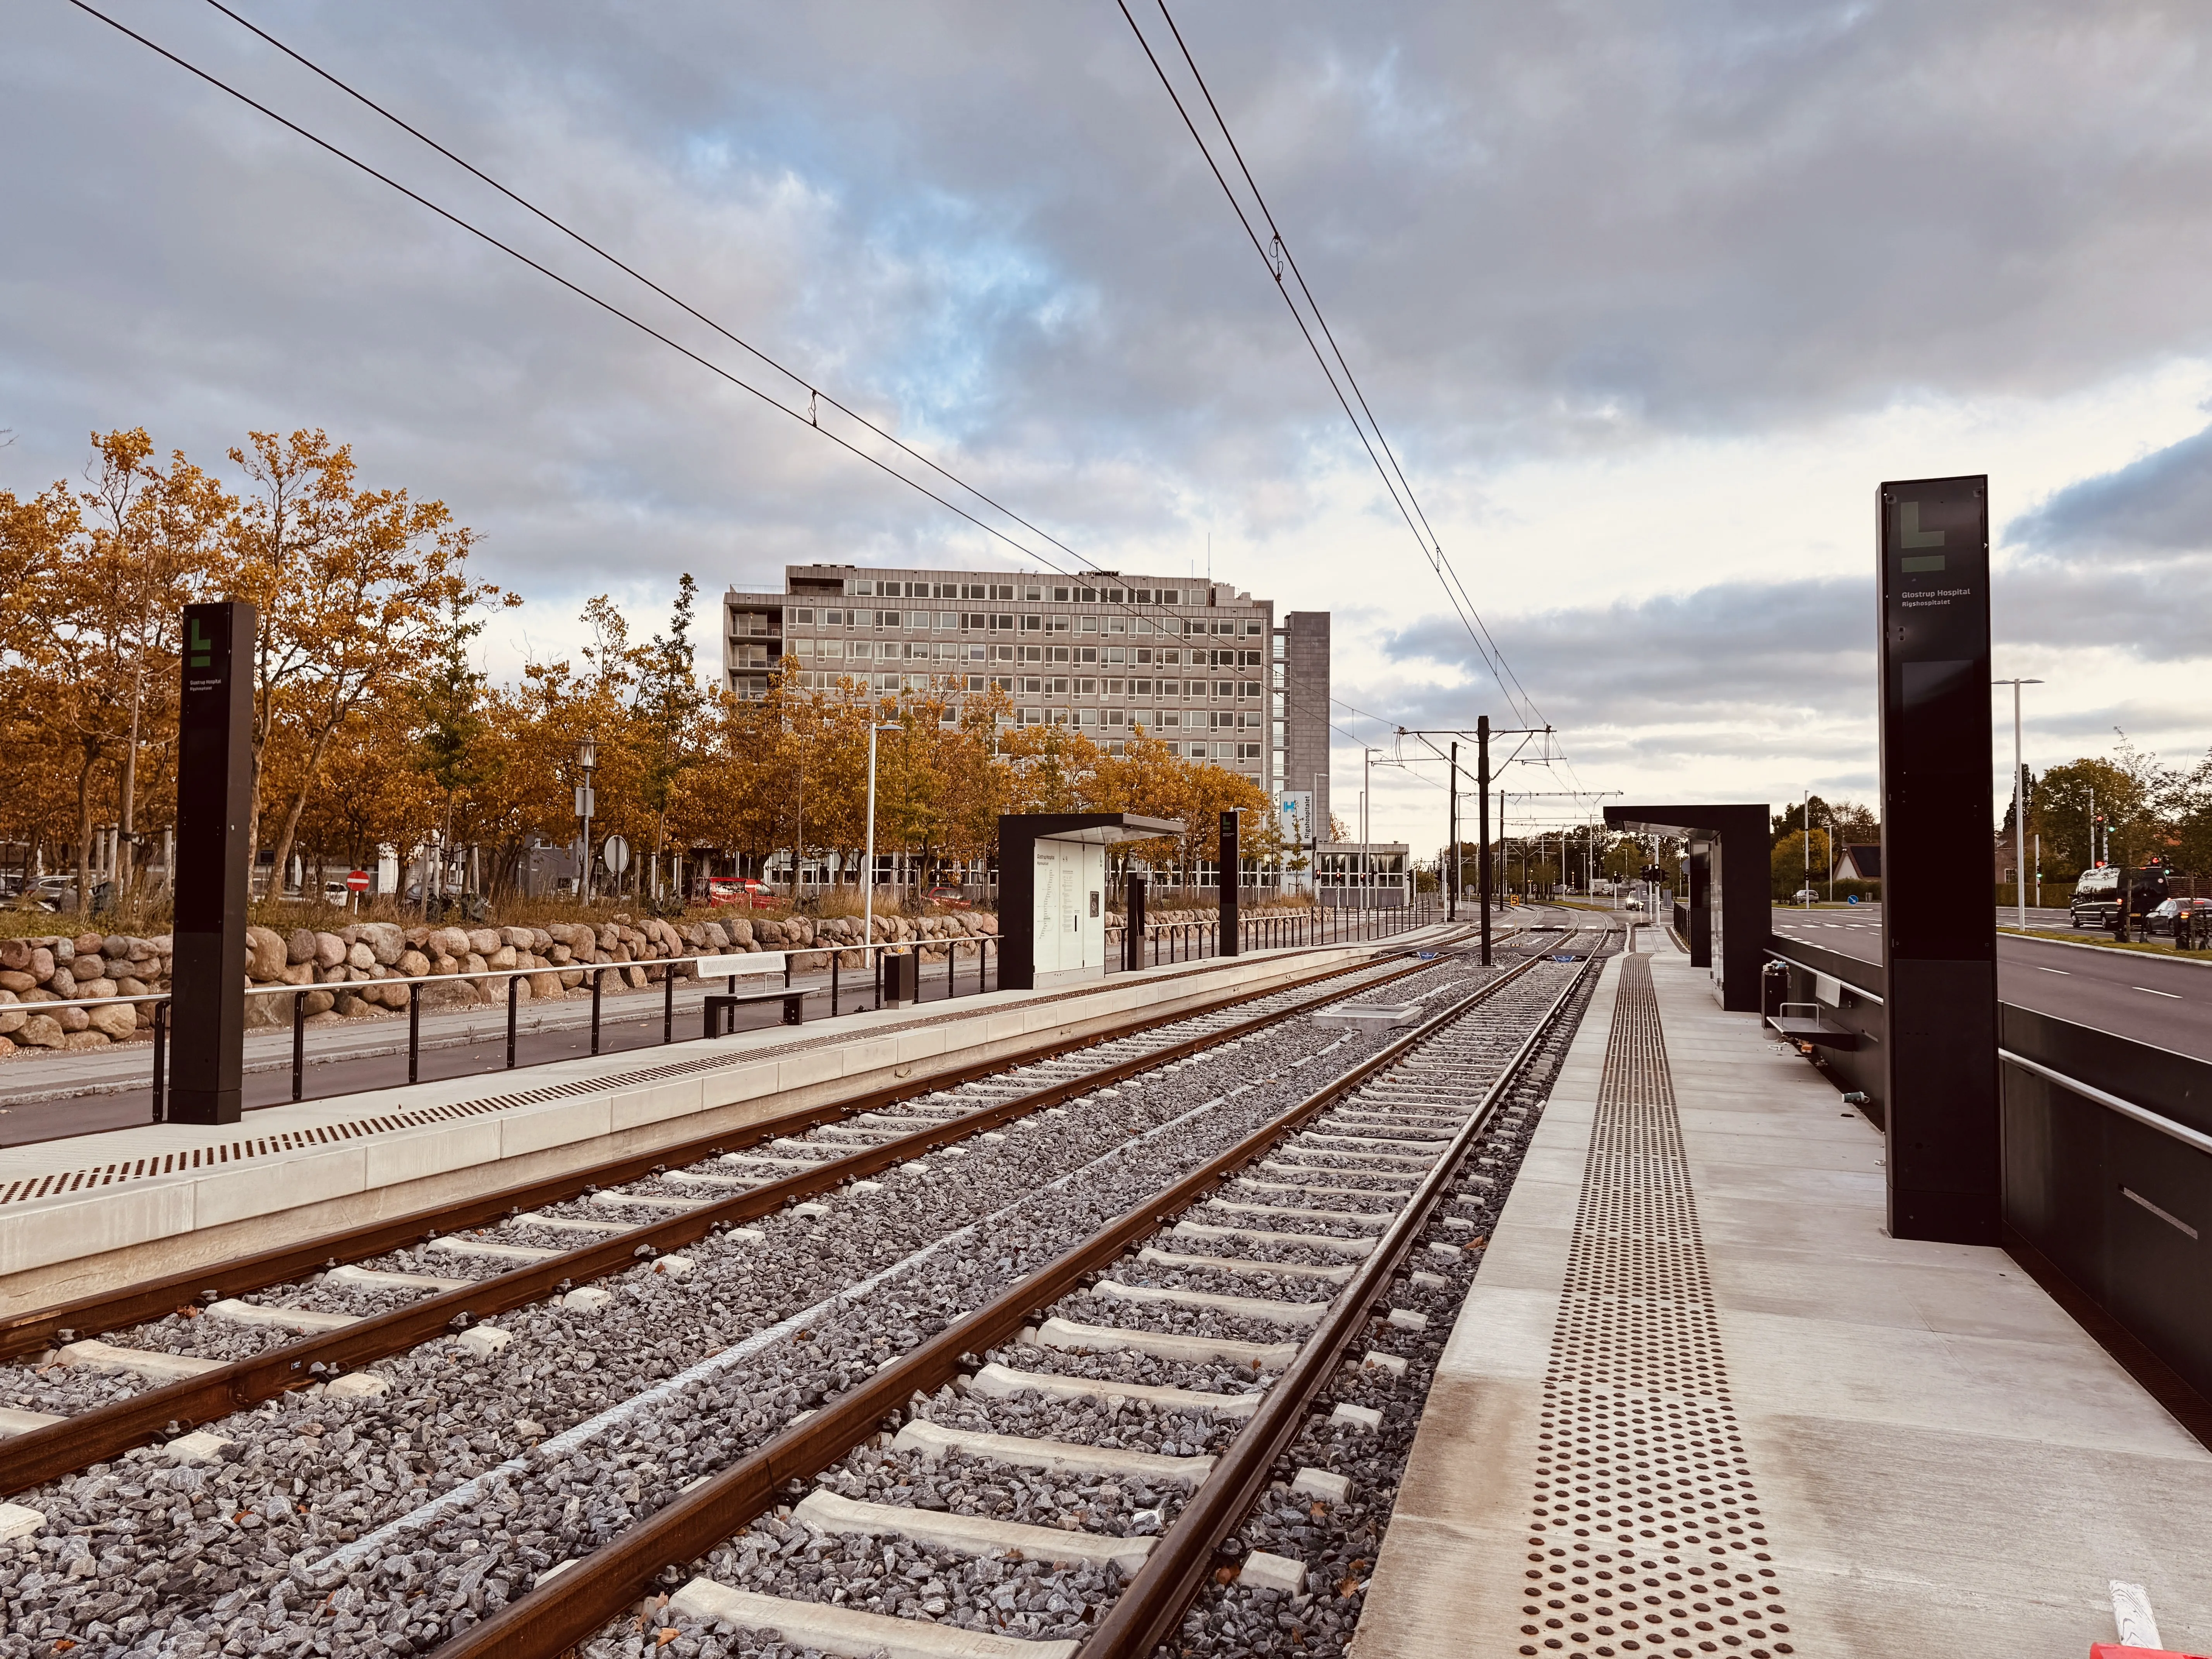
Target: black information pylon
213, 872
1939, 936
1231, 886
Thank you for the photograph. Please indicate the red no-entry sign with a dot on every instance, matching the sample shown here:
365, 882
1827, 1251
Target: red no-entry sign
357, 881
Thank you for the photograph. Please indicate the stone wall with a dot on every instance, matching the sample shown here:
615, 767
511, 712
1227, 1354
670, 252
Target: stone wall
346, 973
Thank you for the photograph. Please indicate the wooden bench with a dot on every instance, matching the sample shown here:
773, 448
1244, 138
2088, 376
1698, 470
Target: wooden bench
722, 1006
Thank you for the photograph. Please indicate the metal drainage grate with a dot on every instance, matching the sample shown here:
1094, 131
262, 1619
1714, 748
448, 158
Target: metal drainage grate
1646, 1537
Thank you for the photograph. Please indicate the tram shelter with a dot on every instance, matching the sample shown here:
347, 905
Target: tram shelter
1052, 876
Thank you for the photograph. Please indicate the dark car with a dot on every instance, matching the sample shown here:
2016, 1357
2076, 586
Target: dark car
2096, 902
2162, 918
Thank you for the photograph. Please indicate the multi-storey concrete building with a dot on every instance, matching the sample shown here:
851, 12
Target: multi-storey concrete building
1197, 664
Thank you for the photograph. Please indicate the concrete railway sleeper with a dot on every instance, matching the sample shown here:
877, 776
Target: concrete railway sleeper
909, 1256
549, 1241
1077, 1434
30, 1331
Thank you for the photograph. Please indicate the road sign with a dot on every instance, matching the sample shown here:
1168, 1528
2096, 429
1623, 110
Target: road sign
615, 853
357, 881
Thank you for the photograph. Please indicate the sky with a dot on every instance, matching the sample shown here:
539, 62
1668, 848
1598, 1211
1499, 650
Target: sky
1647, 300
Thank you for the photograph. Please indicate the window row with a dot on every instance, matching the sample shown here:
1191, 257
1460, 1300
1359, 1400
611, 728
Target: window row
949, 651
981, 621
1011, 593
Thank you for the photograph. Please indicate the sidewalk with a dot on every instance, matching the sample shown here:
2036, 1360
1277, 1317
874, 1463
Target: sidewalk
1699, 1401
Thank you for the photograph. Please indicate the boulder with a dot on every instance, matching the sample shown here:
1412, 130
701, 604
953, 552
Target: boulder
571, 977
541, 939
504, 956
482, 941
330, 951
713, 936
12, 982
302, 973
102, 987
129, 987
299, 944
385, 940
77, 1042
85, 945
115, 1019
414, 964
985, 925
473, 964
39, 1031
545, 985
766, 931
12, 1014
86, 966
43, 963
361, 957
448, 941
316, 1002
73, 1020
63, 983
518, 937
266, 956
16, 955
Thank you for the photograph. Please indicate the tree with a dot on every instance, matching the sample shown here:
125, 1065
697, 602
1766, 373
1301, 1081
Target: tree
1790, 866
350, 584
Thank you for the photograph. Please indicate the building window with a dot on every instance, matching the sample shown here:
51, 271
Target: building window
1032, 717
1141, 717
1002, 624
1170, 717
802, 648
833, 618
1141, 688
862, 587
1143, 596
1117, 624
1060, 596
1032, 687
1113, 687
1249, 751
1249, 688
1198, 751
1091, 624
833, 648
1170, 596
1059, 688
948, 619
1086, 687
1032, 624
806, 616
1033, 594
1059, 653
1117, 717
1056, 624
1086, 717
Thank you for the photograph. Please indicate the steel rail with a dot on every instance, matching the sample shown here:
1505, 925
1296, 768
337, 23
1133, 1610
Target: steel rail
606, 1584
30, 1331
1152, 1603
105, 1433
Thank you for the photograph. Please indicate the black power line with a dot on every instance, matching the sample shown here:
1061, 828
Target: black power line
815, 395
1276, 254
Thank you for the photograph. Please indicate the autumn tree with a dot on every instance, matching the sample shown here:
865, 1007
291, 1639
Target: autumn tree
351, 583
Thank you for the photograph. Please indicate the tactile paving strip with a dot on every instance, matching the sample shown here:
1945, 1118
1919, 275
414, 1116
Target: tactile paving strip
1646, 1536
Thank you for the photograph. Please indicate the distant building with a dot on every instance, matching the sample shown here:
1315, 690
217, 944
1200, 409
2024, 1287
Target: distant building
1860, 863
1197, 664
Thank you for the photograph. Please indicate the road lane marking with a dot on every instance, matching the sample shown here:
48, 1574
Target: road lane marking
2147, 991
2068, 972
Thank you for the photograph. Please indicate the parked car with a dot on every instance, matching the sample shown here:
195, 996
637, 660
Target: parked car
1635, 904
1804, 896
745, 890
951, 899
2162, 919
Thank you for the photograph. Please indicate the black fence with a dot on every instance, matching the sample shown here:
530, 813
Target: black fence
2106, 1158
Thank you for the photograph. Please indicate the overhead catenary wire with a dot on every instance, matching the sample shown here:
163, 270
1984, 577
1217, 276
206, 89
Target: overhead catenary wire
1333, 363
815, 396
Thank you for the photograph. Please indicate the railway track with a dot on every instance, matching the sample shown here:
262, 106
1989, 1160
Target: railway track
1071, 1109
780, 1311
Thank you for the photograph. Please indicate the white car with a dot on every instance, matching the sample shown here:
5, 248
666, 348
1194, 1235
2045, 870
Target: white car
1804, 896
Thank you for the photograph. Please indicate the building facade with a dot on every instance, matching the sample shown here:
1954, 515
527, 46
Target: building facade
1197, 664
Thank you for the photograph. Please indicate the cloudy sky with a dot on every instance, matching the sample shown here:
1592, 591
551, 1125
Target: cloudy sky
1648, 299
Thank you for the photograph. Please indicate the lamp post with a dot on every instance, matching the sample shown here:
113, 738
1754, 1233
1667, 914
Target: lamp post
588, 759
2019, 811
868, 867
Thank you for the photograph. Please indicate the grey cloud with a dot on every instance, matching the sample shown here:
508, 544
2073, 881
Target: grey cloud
2161, 503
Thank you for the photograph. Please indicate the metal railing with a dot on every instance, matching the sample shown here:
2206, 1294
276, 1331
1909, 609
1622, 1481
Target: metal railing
966, 973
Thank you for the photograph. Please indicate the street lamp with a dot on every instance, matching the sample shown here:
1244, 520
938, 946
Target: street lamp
2019, 810
868, 869
588, 759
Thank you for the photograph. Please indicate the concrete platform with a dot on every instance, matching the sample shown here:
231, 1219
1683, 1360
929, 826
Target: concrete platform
83, 1214
1905, 1448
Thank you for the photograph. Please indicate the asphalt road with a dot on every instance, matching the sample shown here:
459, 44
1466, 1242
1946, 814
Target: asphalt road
2163, 1000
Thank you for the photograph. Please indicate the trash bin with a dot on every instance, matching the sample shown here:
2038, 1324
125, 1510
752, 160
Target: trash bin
901, 980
